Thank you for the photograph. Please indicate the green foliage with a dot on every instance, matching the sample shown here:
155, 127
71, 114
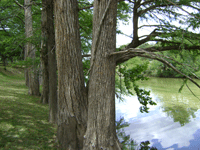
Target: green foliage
86, 66
12, 21
85, 20
145, 146
123, 12
29, 62
125, 140
128, 75
185, 61
131, 74
144, 99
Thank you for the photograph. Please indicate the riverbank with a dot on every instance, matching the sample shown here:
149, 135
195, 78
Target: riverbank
23, 120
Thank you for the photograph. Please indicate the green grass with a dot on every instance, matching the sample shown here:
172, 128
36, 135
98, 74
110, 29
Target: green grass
23, 120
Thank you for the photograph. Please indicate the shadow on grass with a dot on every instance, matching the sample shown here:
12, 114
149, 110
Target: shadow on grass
23, 120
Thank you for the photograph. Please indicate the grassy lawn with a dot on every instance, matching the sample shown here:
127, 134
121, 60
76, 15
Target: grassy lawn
23, 120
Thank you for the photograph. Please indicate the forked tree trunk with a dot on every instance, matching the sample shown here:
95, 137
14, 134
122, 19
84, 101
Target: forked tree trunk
101, 131
44, 55
52, 64
33, 79
72, 109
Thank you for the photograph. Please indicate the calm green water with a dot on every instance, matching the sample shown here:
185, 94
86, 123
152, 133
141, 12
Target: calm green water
174, 123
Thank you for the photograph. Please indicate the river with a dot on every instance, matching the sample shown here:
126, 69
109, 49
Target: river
173, 124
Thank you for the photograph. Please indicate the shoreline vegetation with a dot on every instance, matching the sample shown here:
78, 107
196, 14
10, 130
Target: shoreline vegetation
24, 120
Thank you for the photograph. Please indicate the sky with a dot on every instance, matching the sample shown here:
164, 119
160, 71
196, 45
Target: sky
128, 30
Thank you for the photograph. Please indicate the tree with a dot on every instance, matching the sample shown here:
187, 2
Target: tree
44, 54
31, 74
30, 51
48, 60
72, 102
86, 95
9, 32
101, 131
52, 65
86, 114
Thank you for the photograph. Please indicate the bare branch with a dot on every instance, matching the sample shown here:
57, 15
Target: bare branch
151, 26
86, 55
87, 7
122, 56
152, 34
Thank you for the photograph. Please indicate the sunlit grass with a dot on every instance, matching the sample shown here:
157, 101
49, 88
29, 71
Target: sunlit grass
23, 120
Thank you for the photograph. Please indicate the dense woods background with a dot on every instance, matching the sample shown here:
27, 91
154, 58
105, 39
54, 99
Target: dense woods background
70, 46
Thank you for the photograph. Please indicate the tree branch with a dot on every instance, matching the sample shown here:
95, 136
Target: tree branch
122, 56
151, 26
130, 53
191, 91
20, 5
182, 9
87, 7
5, 30
183, 65
20, 19
167, 48
152, 34
171, 66
152, 8
90, 6
86, 55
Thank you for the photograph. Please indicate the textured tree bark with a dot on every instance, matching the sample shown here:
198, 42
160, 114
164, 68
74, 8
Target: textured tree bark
27, 13
44, 55
72, 104
52, 64
33, 81
101, 131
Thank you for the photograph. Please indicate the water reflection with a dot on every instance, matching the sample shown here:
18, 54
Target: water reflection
180, 114
173, 124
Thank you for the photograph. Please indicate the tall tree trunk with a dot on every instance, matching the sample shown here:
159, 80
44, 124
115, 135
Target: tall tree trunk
27, 13
33, 80
101, 132
44, 55
72, 109
52, 64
